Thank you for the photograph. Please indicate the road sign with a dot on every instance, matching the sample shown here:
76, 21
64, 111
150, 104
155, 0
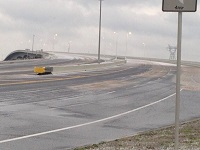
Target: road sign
179, 5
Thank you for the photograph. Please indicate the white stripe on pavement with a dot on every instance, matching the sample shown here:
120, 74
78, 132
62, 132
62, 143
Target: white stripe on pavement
85, 124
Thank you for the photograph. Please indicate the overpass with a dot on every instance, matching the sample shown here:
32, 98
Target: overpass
26, 54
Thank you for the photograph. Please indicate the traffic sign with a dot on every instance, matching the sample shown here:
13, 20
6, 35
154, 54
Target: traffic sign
179, 5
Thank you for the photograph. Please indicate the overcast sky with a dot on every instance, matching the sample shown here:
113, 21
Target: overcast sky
56, 23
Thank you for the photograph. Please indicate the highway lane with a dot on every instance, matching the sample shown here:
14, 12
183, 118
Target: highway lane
62, 111
26, 66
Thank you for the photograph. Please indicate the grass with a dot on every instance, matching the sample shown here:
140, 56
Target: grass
162, 139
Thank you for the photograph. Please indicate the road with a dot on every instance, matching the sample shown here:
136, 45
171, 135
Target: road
64, 111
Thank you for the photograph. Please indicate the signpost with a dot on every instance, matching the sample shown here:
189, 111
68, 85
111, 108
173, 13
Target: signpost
178, 6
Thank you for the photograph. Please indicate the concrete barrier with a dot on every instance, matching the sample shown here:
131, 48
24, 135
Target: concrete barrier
85, 67
114, 62
43, 70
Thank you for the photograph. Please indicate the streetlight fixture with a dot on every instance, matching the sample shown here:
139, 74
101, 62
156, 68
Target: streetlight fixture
99, 46
127, 35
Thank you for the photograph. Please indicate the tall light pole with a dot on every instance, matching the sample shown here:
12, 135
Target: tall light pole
116, 43
99, 47
54, 38
127, 35
33, 42
144, 48
69, 46
43, 46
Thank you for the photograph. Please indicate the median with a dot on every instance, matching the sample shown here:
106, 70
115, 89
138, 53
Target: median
84, 67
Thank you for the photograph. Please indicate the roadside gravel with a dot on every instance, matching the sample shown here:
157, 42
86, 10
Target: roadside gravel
161, 139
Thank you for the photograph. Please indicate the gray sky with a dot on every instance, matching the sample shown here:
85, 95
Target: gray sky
78, 21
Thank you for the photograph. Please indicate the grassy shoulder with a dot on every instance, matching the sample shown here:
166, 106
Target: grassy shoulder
162, 139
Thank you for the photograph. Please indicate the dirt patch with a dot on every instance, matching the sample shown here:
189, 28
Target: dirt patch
157, 71
100, 85
190, 78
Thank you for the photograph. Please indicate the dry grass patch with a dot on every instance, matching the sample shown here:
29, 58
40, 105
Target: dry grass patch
162, 139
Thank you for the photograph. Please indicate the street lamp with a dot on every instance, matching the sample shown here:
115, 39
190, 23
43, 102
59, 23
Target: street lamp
99, 46
43, 46
54, 38
116, 43
127, 35
144, 48
41, 43
69, 46
33, 42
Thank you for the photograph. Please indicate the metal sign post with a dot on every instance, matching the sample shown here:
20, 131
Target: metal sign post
178, 76
178, 6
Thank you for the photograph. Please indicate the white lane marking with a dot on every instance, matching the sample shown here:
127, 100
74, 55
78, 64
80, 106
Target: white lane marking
85, 124
110, 92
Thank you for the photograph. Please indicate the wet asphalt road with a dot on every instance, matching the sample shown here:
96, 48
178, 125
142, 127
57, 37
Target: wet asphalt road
64, 111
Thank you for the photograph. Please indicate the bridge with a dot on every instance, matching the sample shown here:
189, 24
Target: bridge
26, 54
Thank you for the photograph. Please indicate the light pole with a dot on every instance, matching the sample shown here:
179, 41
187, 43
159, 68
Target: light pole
41, 43
99, 47
33, 42
43, 46
69, 46
54, 38
116, 43
127, 35
144, 48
